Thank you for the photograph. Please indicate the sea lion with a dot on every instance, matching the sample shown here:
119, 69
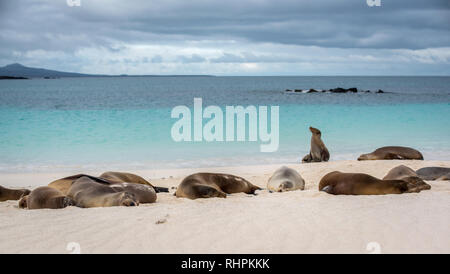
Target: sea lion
125, 177
285, 179
208, 185
12, 194
338, 183
404, 173
108, 178
87, 192
45, 197
392, 153
434, 173
65, 183
144, 194
318, 152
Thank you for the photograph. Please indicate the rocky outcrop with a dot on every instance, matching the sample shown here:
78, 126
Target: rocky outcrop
12, 78
333, 90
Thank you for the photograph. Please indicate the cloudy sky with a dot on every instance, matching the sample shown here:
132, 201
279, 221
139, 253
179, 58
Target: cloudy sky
229, 37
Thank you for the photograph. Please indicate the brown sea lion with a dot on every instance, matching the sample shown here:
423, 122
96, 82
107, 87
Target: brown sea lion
318, 152
404, 173
108, 178
434, 173
87, 192
392, 153
125, 177
360, 184
12, 194
65, 183
45, 197
208, 185
144, 194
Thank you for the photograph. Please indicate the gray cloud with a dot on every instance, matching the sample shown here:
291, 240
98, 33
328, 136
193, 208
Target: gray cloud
194, 58
52, 26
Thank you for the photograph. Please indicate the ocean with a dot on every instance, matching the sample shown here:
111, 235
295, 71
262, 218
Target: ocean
120, 123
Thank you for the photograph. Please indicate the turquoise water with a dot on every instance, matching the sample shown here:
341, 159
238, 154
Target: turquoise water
91, 123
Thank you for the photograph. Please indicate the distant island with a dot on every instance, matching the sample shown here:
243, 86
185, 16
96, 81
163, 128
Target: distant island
19, 71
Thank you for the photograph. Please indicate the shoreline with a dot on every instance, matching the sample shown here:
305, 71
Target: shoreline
37, 178
306, 221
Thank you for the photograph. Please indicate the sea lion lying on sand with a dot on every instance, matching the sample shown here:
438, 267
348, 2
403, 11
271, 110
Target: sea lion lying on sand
144, 194
361, 184
434, 173
208, 185
285, 179
109, 178
65, 183
392, 153
87, 192
12, 194
404, 173
45, 197
318, 152
124, 177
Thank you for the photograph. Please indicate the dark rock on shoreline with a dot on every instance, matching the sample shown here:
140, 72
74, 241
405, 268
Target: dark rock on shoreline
333, 90
12, 78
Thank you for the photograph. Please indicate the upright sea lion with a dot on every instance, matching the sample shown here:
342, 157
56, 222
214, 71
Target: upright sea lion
404, 173
285, 179
360, 184
12, 194
392, 153
87, 192
208, 185
125, 177
45, 197
318, 152
434, 173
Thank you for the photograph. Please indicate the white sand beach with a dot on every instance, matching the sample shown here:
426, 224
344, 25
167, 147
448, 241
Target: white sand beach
306, 221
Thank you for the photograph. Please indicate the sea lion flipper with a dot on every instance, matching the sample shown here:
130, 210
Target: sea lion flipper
307, 158
327, 189
325, 155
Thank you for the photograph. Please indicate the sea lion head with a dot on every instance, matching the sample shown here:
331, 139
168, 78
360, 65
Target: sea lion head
23, 202
315, 131
367, 156
416, 184
67, 201
128, 199
26, 192
285, 186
